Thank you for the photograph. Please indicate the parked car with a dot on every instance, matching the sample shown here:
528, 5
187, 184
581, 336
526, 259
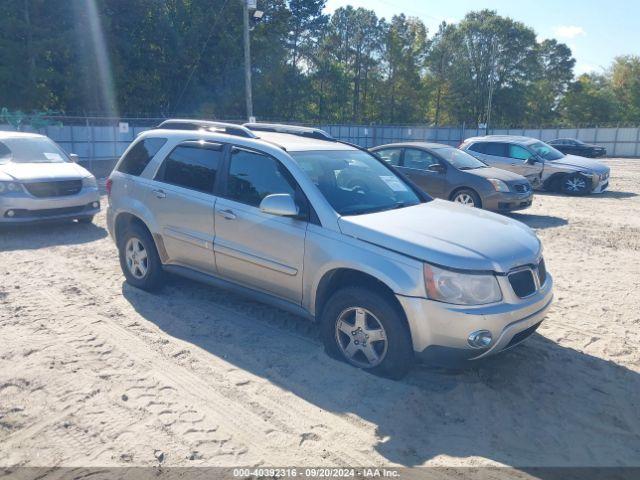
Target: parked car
451, 174
544, 166
390, 273
571, 146
39, 181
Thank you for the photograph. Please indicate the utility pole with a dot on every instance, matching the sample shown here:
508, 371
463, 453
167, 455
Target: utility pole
491, 81
247, 59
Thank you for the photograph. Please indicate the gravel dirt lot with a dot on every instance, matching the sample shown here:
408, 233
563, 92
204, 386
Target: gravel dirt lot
96, 373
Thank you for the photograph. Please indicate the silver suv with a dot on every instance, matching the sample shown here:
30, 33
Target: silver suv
544, 166
267, 210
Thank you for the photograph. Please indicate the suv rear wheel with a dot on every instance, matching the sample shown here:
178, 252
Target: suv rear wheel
139, 258
365, 329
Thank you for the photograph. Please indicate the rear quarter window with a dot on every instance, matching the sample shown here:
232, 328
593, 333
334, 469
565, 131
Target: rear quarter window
136, 160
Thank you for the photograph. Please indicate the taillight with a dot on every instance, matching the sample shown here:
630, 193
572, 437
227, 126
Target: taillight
108, 185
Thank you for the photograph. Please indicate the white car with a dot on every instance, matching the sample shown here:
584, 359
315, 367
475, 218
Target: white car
39, 181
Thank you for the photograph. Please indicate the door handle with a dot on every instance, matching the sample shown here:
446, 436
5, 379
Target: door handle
228, 214
160, 193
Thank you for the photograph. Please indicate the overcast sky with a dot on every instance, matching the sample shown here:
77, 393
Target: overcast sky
595, 30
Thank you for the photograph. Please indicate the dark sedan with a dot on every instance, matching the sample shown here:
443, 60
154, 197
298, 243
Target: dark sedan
571, 146
446, 172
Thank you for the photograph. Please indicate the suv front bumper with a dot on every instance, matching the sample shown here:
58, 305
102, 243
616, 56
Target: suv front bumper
440, 331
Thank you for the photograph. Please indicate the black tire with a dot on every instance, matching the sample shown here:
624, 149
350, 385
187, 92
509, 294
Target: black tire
85, 219
154, 275
477, 202
398, 358
570, 184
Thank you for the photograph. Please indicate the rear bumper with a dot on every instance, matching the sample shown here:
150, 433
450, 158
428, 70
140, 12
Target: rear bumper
440, 331
27, 209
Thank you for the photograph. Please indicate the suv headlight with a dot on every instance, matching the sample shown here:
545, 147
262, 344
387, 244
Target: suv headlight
9, 187
498, 185
461, 288
89, 182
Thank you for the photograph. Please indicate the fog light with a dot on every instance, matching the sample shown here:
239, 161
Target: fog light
480, 339
10, 213
95, 204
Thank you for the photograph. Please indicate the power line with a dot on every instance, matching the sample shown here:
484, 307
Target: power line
204, 47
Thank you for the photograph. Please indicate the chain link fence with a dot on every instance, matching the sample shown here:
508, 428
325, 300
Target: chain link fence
99, 141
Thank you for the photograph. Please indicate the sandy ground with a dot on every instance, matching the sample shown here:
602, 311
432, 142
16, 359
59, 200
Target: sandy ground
96, 373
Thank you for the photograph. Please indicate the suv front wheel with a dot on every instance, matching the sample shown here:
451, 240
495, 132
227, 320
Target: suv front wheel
139, 259
365, 329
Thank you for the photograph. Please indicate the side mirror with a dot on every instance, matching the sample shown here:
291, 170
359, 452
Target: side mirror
281, 204
436, 167
74, 157
534, 159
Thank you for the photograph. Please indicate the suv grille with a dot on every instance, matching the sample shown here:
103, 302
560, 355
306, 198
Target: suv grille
522, 283
54, 189
521, 187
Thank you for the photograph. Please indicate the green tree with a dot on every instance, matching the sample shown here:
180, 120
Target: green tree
36, 54
625, 81
352, 43
554, 75
404, 55
590, 101
490, 45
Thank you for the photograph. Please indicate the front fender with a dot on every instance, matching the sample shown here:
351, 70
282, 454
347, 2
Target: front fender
327, 251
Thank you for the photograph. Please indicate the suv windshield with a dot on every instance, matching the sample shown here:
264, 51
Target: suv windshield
459, 159
31, 150
545, 151
355, 182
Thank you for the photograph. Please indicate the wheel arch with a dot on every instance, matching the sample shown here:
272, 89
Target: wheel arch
464, 187
553, 182
338, 278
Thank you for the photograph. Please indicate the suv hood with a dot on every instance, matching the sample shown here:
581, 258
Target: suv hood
449, 235
581, 164
24, 172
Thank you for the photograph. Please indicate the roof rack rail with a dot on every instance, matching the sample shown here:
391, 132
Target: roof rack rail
191, 124
290, 129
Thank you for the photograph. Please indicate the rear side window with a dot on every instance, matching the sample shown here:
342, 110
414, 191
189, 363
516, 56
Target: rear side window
418, 159
136, 159
192, 165
390, 155
495, 149
253, 176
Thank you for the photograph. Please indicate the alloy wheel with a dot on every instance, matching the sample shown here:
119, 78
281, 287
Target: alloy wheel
575, 184
361, 337
465, 199
137, 259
